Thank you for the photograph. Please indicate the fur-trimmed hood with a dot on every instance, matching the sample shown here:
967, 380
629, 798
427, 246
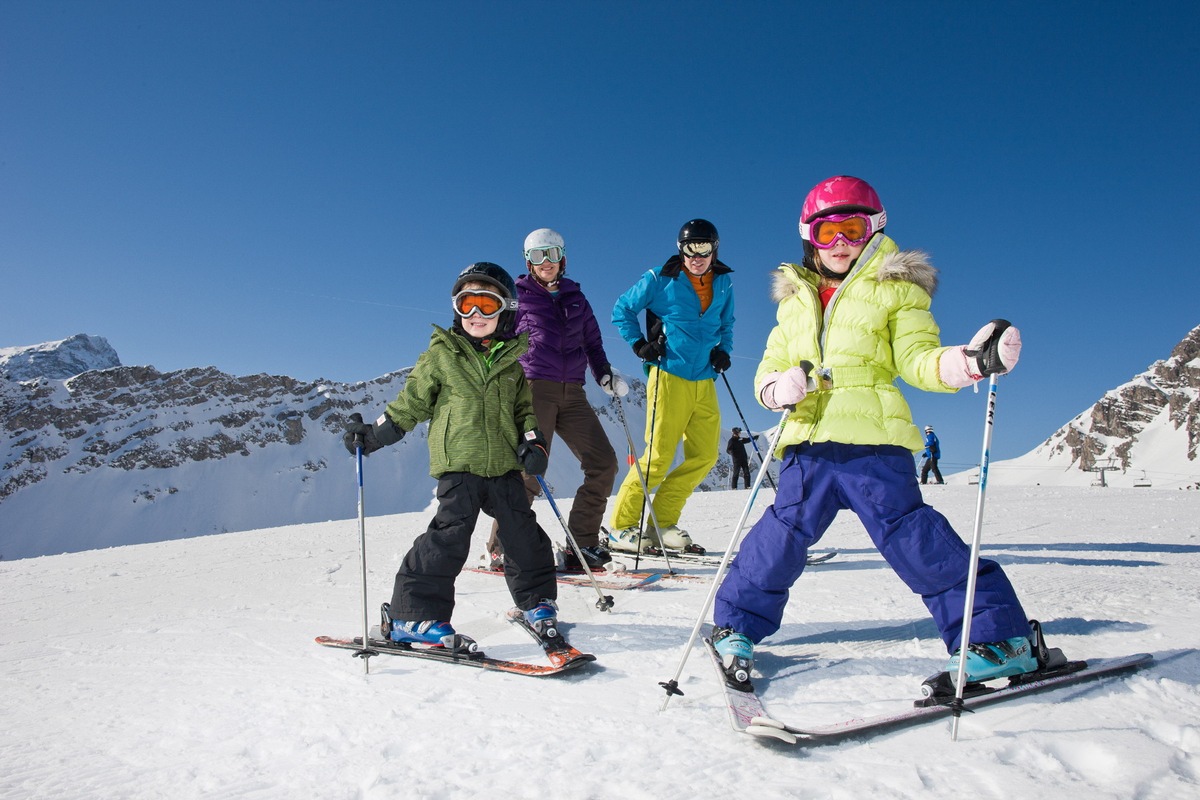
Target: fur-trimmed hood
912, 266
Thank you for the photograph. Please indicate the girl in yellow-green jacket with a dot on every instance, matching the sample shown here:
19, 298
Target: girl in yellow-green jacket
857, 309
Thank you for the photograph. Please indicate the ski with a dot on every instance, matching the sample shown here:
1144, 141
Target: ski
476, 659
710, 559
605, 580
746, 712
748, 715
560, 652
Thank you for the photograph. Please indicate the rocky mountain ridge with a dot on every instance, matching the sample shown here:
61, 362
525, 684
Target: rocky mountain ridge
1145, 432
117, 454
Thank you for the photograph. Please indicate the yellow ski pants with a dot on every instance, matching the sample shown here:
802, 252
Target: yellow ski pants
687, 412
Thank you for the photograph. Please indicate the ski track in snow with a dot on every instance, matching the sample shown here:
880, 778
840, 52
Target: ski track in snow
190, 671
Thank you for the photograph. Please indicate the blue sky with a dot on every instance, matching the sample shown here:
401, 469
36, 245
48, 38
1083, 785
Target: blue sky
291, 187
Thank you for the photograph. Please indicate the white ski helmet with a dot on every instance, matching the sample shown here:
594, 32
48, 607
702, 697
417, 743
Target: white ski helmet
543, 237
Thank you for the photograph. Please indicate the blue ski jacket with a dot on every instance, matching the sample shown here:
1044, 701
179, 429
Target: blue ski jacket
691, 334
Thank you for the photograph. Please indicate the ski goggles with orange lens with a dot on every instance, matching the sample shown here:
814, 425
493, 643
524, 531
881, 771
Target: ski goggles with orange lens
540, 255
486, 304
850, 228
696, 249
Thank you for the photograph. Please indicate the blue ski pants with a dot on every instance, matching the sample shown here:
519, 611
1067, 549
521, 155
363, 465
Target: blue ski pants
879, 484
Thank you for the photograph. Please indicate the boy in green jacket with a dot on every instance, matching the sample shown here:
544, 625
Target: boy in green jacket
482, 433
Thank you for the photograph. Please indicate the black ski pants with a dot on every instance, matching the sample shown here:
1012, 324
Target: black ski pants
931, 465
563, 410
424, 586
740, 467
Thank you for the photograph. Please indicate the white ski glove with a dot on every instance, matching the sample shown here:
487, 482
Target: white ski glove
783, 389
613, 384
994, 350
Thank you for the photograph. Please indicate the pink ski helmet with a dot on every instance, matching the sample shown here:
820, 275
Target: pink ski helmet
841, 194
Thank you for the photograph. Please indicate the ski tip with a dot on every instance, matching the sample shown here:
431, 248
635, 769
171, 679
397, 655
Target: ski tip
770, 732
767, 722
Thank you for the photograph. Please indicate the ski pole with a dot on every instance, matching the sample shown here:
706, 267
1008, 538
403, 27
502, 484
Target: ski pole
672, 686
605, 602
753, 441
964, 638
366, 652
646, 500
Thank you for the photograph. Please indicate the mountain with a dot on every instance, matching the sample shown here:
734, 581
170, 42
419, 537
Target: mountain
57, 360
1145, 432
96, 454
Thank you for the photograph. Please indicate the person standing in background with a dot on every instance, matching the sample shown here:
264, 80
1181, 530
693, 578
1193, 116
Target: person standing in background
736, 447
564, 340
689, 305
929, 458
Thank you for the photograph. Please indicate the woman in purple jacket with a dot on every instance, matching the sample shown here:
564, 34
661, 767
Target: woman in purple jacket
564, 340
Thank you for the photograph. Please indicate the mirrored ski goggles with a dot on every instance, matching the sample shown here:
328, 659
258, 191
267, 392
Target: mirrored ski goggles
486, 304
850, 228
696, 249
540, 255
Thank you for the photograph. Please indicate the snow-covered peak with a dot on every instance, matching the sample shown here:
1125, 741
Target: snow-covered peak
57, 360
1144, 432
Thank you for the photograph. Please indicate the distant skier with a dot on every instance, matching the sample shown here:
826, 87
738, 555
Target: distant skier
857, 308
482, 432
736, 448
929, 458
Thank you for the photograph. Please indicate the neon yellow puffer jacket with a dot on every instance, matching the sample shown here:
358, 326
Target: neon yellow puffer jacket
876, 327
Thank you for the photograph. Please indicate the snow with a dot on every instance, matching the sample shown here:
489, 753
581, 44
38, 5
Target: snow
191, 671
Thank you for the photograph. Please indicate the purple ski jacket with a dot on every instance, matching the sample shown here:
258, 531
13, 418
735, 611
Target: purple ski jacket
564, 337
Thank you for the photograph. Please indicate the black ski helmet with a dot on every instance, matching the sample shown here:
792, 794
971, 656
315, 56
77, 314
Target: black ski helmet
496, 276
698, 230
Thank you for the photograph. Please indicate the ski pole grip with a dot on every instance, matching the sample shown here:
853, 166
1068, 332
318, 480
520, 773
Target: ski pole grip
357, 419
988, 355
811, 383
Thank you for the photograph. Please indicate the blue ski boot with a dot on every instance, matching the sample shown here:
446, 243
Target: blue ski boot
543, 618
430, 632
737, 656
991, 660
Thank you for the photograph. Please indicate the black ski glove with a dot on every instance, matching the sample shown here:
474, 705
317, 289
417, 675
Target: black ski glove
650, 351
719, 359
370, 437
533, 454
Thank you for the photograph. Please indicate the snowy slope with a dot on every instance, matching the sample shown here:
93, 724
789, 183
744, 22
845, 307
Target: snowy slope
192, 671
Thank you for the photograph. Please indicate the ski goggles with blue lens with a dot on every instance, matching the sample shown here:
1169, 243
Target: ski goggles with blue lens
540, 255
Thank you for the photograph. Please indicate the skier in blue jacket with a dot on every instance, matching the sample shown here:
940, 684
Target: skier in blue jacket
929, 458
691, 297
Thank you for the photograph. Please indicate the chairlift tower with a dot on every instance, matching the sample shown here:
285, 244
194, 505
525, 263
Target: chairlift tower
1111, 466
